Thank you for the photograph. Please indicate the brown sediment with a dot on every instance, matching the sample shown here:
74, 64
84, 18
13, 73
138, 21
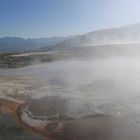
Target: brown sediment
35, 130
14, 106
9, 105
97, 127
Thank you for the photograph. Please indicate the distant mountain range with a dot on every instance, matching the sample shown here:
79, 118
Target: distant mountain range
8, 44
122, 35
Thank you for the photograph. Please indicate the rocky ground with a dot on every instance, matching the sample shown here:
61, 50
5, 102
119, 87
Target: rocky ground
18, 88
15, 60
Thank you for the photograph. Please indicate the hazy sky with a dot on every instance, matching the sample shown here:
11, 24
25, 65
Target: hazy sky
44, 18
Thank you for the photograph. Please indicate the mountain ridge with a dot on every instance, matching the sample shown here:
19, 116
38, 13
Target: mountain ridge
129, 34
8, 44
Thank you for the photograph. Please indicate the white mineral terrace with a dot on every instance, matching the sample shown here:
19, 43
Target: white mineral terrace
35, 121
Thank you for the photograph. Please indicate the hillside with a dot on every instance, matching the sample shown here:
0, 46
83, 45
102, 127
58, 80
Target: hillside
121, 35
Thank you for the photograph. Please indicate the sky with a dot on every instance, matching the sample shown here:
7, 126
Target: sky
47, 18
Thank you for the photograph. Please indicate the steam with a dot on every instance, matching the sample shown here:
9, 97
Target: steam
111, 83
